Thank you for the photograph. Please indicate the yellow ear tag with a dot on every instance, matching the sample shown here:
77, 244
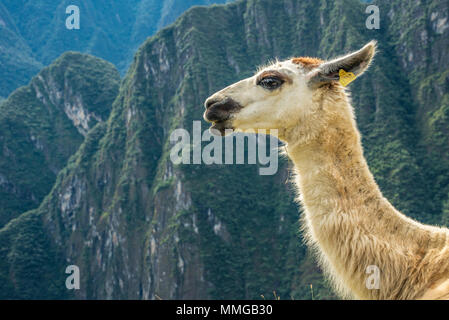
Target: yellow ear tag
346, 77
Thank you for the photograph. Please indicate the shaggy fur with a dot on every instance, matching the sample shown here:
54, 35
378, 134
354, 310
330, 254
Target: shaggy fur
346, 219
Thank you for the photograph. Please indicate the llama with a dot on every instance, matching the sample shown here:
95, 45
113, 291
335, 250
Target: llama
346, 219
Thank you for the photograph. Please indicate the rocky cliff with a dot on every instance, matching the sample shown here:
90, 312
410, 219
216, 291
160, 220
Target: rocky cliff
45, 122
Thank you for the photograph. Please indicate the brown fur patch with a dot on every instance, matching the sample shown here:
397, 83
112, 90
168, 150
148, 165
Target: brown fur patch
308, 62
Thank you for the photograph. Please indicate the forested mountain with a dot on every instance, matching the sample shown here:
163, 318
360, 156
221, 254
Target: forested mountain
140, 227
33, 32
44, 123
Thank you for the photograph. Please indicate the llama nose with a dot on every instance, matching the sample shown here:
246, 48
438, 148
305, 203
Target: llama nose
209, 102
220, 109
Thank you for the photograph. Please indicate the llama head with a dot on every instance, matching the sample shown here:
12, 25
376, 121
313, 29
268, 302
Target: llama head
287, 96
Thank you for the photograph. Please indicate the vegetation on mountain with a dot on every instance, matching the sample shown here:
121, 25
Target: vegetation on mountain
139, 226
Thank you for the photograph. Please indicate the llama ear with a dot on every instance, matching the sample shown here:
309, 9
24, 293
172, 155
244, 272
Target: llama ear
356, 63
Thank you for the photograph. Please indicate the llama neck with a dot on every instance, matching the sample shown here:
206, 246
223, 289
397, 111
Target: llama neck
346, 217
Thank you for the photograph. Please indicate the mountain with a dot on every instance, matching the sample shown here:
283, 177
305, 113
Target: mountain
140, 227
17, 63
421, 48
44, 123
34, 33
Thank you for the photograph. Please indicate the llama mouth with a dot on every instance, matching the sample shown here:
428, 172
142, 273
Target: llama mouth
219, 112
221, 128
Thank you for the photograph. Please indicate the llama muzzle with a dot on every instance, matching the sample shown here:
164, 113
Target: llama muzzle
219, 111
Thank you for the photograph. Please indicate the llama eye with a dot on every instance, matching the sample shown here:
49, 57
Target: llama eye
270, 83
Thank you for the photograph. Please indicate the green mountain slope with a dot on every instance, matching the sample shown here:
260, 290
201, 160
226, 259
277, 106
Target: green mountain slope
421, 47
140, 227
44, 123
16, 59
34, 32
